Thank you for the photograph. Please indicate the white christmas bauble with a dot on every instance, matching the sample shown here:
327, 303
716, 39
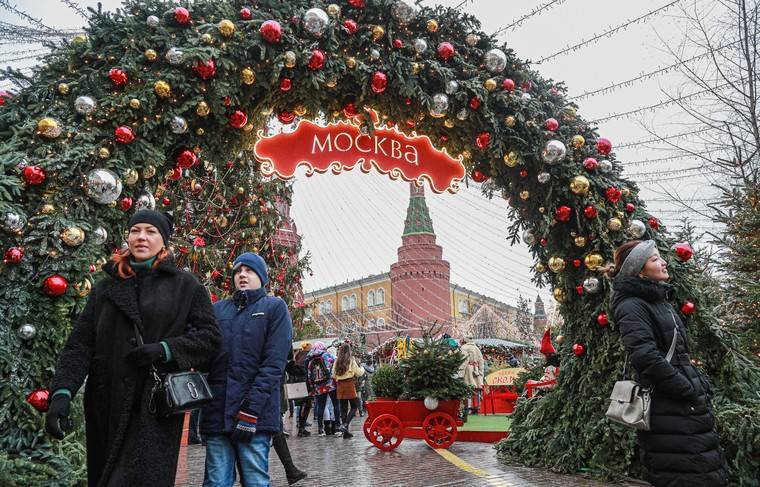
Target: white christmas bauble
431, 403
605, 166
528, 237
145, 201
462, 114
591, 285
403, 11
84, 105
13, 222
452, 87
178, 125
554, 151
637, 229
99, 236
152, 21
420, 45
315, 21
495, 61
439, 106
472, 39
175, 56
26, 331
526, 97
543, 177
374, 54
103, 186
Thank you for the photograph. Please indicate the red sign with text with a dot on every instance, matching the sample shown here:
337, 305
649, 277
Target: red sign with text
341, 146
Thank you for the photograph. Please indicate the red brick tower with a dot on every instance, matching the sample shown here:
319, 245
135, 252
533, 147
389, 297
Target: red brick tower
287, 236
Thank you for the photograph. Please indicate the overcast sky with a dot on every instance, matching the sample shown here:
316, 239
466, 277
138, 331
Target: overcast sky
352, 223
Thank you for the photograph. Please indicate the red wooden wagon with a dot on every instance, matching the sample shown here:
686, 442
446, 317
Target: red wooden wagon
387, 421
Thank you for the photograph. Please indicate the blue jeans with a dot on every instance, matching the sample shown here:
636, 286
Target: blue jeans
252, 460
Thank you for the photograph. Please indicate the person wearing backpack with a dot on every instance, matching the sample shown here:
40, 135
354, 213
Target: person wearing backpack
320, 381
345, 371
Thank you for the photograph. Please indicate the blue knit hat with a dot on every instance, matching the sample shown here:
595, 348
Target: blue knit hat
255, 262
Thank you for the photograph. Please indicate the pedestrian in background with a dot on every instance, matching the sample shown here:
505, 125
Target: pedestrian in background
346, 370
321, 382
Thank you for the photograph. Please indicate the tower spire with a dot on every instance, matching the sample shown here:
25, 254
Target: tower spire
418, 219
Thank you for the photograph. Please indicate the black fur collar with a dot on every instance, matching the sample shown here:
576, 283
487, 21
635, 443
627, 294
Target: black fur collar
645, 289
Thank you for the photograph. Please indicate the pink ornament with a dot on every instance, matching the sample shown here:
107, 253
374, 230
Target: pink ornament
245, 13
351, 26
551, 124
603, 146
508, 84
590, 164
379, 82
630, 207
13, 255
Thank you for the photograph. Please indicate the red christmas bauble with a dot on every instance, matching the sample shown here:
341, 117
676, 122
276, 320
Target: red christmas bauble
551, 124
124, 135
590, 212
214, 298
630, 207
523, 173
356, 3
543, 242
508, 84
579, 289
226, 101
590, 164
475, 102
602, 319
271, 31
688, 308
38, 398
577, 263
613, 194
3, 96
186, 159
578, 349
166, 201
379, 82
126, 203
398, 43
118, 77
13, 255
181, 15
478, 176
351, 26
445, 51
603, 146
175, 173
286, 84
563, 213
317, 60
286, 117
483, 140
55, 285
526, 85
205, 69
683, 251
245, 13
349, 110
238, 119
33, 175
229, 164
654, 223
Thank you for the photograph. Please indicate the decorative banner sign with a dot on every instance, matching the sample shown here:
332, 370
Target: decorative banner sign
341, 146
503, 377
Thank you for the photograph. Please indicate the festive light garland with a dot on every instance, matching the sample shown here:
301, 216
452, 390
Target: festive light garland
536, 11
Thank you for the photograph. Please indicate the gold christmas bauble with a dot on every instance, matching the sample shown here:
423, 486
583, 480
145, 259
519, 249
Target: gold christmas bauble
222, 221
626, 192
351, 62
131, 177
199, 131
568, 113
559, 339
331, 83
540, 267
593, 261
377, 32
240, 190
511, 159
448, 123
559, 295
79, 39
614, 224
83, 288
72, 236
247, 76
578, 141
162, 89
524, 195
289, 59
104, 153
556, 263
580, 241
48, 128
47, 209
333, 10
134, 103
207, 38
300, 110
489, 84
252, 219
202, 109
53, 253
150, 55
149, 171
510, 120
266, 111
579, 185
226, 27
432, 25
63, 88
416, 68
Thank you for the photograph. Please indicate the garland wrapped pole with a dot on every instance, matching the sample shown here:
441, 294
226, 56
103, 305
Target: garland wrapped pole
158, 103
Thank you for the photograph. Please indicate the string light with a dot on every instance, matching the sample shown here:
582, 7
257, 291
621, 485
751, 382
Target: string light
536, 11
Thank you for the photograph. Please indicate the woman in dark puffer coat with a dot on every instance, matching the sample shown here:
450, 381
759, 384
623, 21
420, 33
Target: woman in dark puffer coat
682, 447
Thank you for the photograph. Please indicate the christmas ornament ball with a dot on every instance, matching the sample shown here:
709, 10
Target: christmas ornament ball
593, 261
13, 222
152, 21
247, 76
559, 294
579, 185
72, 236
103, 186
315, 21
226, 27
27, 331
439, 105
431, 403
99, 236
55, 285
636, 228
84, 105
592, 285
579, 349
38, 399
554, 152
556, 263
162, 89
495, 61
403, 11
49, 128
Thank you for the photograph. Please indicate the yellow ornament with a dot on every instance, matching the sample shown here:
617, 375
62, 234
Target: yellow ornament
289, 59
593, 261
83, 288
556, 263
377, 32
432, 25
559, 339
568, 113
226, 28
489, 84
63, 88
134, 104
333, 10
578, 141
207, 39
524, 195
614, 224
202, 109
580, 241
79, 39
130, 177
199, 131
252, 219
47, 209
266, 111
72, 236
48, 128
416, 68
222, 221
448, 123
511, 159
149, 171
331, 83
626, 192
300, 110
540, 267
247, 76
162, 89
104, 153
559, 295
240, 190
541, 209
350, 63
150, 55
579, 185
510, 120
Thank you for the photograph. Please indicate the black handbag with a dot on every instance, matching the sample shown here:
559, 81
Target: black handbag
176, 392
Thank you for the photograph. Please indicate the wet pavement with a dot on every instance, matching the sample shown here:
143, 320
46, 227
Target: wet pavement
334, 461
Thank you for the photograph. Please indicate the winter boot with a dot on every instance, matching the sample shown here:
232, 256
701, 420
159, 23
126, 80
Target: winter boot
292, 472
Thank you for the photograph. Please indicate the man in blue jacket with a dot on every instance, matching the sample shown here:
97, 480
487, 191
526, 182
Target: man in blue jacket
245, 379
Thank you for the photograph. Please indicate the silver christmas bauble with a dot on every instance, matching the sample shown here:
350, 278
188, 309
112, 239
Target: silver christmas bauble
175, 56
103, 186
495, 61
472, 39
543, 177
526, 97
637, 229
605, 166
99, 236
145, 201
462, 114
315, 21
178, 125
403, 12
439, 106
26, 331
420, 45
374, 54
554, 151
452, 87
22, 164
528, 237
84, 105
431, 403
289, 58
153, 21
592, 285
13, 222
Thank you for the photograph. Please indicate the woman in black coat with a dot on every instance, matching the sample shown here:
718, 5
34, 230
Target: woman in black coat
127, 445
682, 447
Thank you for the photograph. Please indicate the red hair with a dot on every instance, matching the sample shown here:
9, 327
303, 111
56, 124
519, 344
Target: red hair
121, 261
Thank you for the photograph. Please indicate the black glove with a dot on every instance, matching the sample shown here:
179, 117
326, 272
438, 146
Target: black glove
147, 354
57, 418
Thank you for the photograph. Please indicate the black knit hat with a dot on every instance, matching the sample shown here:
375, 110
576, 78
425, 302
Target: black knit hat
163, 221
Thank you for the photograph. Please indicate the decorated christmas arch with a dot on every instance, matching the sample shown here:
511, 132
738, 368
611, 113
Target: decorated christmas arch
159, 105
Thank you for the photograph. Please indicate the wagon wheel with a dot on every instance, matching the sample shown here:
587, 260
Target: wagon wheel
366, 428
440, 430
386, 432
